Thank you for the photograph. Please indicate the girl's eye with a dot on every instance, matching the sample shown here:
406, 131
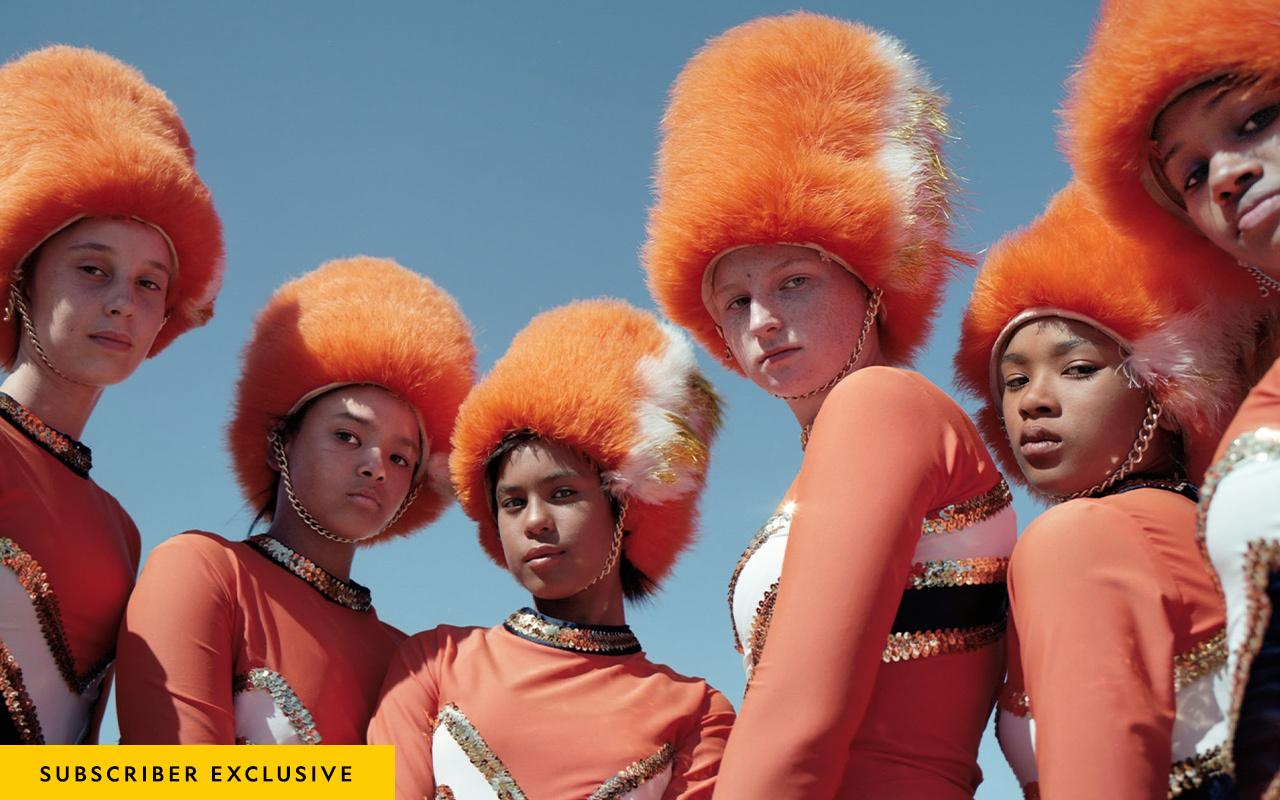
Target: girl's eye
347, 436
401, 460
736, 303
154, 286
1261, 119
92, 269
1196, 177
1081, 370
562, 493
511, 504
1014, 382
795, 282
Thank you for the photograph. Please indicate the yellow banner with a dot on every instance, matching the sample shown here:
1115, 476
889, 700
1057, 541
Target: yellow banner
199, 771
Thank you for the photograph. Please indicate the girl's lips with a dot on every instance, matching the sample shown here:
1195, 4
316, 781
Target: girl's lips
366, 499
1039, 447
1258, 213
542, 555
779, 354
112, 341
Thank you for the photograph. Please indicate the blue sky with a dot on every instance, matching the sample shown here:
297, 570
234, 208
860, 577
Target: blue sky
505, 150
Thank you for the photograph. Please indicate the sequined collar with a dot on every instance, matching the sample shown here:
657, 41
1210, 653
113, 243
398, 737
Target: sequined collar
349, 594
1180, 486
67, 450
601, 640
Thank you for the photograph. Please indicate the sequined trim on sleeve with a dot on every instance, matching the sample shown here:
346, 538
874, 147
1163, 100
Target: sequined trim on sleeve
345, 593
958, 516
1014, 701
760, 622
36, 582
282, 694
1191, 773
443, 793
16, 701
479, 754
926, 644
600, 640
635, 775
74, 455
779, 521
958, 572
1262, 444
1203, 659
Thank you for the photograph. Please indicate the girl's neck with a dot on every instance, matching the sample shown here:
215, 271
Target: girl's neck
59, 403
288, 529
597, 605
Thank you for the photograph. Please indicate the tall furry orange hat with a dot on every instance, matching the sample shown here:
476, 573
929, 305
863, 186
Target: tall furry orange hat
84, 135
355, 321
806, 130
1142, 56
1070, 263
613, 383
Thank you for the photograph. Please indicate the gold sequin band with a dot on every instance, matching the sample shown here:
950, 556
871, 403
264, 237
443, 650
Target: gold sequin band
603, 640
283, 696
77, 457
1014, 701
927, 644
1262, 444
778, 522
637, 774
952, 518
1192, 773
958, 572
344, 593
444, 793
479, 754
21, 710
1261, 559
760, 622
1203, 659
45, 602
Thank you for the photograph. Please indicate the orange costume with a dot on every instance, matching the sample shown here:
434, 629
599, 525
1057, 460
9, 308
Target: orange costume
541, 707
618, 724
82, 135
878, 675
1118, 627
251, 641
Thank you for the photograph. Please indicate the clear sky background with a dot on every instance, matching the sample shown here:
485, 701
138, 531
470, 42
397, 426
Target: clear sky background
505, 150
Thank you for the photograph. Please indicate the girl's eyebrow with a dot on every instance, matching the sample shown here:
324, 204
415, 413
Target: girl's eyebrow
99, 247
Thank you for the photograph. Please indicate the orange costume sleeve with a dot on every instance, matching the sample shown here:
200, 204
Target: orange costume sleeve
176, 652
1105, 595
403, 716
887, 448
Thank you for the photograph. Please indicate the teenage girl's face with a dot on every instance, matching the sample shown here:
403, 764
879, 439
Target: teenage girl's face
790, 317
555, 522
353, 458
1070, 414
1221, 149
97, 294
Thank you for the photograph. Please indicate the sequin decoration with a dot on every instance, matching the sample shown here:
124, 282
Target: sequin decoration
1260, 445
958, 516
344, 593
21, 710
602, 640
444, 793
283, 696
958, 572
1203, 659
1014, 701
780, 521
77, 457
637, 774
760, 622
45, 602
1191, 773
927, 644
478, 753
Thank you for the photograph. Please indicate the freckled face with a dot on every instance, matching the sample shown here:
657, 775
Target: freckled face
1221, 151
353, 458
97, 295
1070, 414
555, 522
790, 317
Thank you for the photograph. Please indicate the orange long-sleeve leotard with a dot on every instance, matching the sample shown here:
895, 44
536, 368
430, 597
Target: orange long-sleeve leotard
1120, 631
521, 710
216, 629
897, 519
70, 554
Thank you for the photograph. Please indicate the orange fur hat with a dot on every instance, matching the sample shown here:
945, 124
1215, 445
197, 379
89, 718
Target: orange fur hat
355, 321
806, 130
1142, 56
621, 388
83, 135
1070, 263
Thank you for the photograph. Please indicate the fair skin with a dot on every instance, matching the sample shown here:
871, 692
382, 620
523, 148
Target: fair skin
352, 462
97, 294
791, 320
557, 527
1220, 146
1070, 414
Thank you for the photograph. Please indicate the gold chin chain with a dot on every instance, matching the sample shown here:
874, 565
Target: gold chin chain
1145, 434
873, 307
277, 446
18, 305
